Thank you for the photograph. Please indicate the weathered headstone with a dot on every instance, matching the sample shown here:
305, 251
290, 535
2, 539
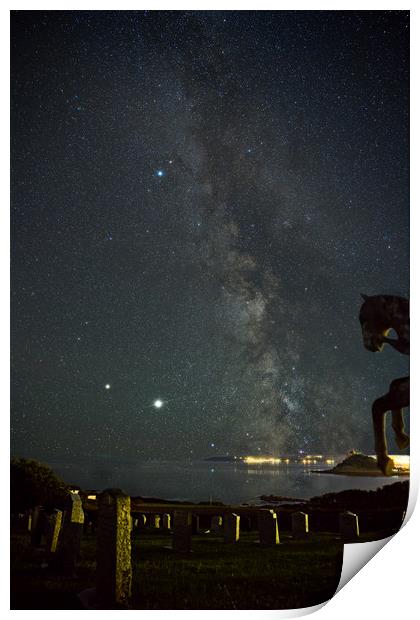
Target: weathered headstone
300, 524
37, 525
113, 549
54, 527
246, 523
142, 521
181, 540
216, 524
231, 527
156, 521
166, 521
349, 526
71, 535
268, 527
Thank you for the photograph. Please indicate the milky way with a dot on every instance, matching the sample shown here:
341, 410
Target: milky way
198, 200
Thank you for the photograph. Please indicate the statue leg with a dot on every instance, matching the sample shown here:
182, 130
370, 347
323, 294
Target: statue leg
379, 409
400, 393
401, 438
395, 400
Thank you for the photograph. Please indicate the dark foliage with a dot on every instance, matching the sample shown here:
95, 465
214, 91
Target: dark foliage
32, 484
389, 496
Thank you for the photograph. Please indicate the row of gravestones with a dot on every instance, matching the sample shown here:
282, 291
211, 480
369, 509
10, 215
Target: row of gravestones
113, 542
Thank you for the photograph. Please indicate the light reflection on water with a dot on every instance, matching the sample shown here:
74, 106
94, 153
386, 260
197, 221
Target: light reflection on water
204, 480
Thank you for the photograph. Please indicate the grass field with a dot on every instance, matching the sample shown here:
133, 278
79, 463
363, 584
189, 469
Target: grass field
214, 576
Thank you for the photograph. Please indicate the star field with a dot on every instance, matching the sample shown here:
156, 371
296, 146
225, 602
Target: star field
198, 200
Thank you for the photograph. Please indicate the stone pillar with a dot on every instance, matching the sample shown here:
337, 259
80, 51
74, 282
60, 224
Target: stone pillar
156, 522
300, 524
71, 536
216, 524
37, 525
231, 527
349, 526
54, 527
113, 549
268, 528
181, 540
166, 521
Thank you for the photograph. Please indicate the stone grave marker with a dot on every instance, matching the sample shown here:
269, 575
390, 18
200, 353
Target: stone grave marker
300, 524
268, 527
349, 526
37, 525
182, 530
141, 522
54, 527
156, 522
71, 535
166, 521
113, 549
216, 524
231, 527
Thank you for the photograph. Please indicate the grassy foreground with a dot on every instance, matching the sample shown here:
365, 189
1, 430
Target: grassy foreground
214, 576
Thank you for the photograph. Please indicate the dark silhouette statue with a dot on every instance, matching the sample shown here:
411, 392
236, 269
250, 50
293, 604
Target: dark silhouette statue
378, 315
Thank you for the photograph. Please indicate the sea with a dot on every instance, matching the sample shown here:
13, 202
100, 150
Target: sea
204, 481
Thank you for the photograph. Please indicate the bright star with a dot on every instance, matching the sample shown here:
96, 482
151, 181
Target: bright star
160, 173
158, 403
107, 386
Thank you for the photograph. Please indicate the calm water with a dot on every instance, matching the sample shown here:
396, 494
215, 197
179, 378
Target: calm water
202, 480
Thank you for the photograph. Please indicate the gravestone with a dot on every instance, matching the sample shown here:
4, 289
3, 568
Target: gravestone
156, 522
54, 527
113, 549
166, 521
231, 527
349, 526
181, 540
300, 524
37, 525
246, 525
71, 536
268, 527
216, 524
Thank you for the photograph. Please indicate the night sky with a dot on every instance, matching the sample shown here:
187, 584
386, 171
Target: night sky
198, 200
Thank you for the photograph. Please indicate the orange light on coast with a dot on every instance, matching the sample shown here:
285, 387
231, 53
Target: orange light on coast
261, 460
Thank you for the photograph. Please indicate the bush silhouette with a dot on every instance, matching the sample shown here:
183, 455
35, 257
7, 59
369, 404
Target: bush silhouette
32, 484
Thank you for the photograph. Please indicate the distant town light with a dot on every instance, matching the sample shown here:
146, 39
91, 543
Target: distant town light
260, 460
